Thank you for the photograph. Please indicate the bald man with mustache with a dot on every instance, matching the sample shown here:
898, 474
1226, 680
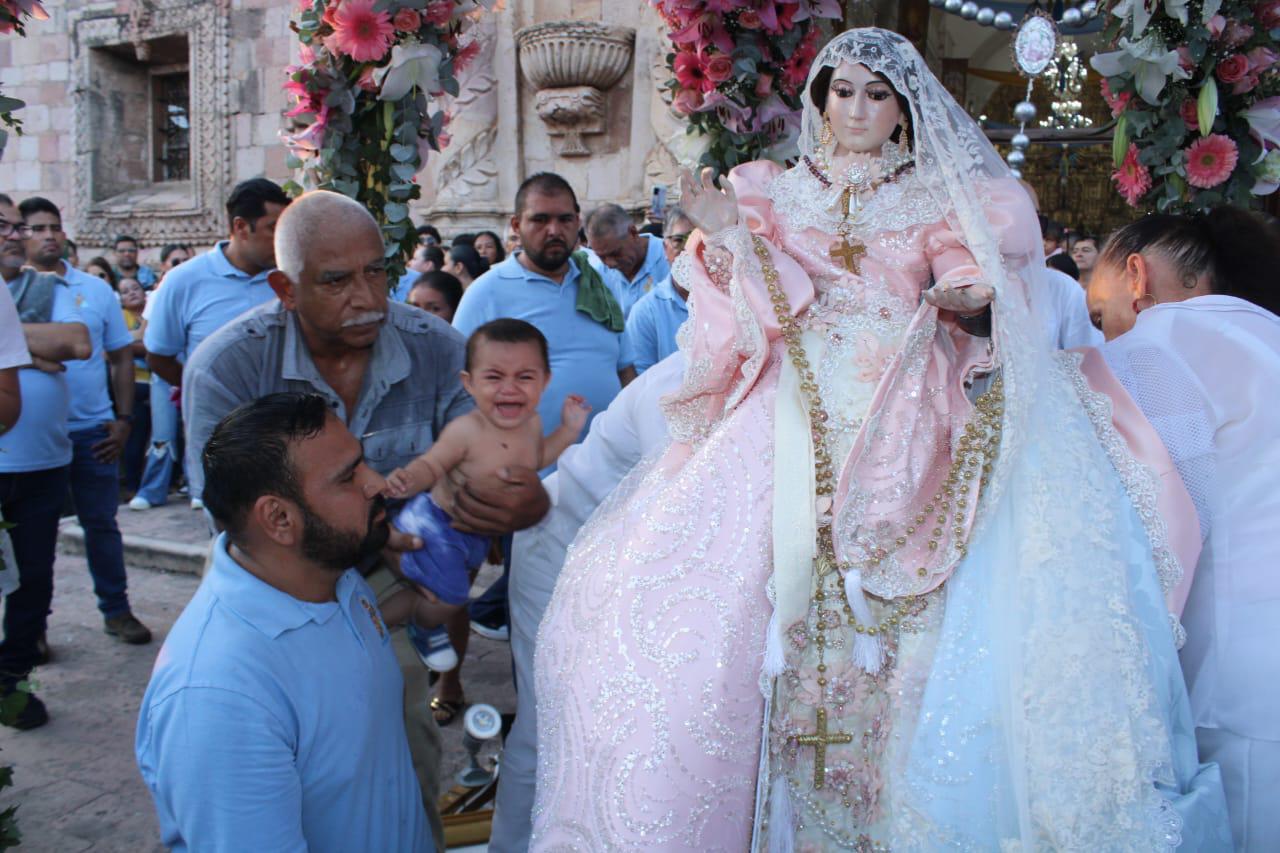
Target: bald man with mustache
389, 372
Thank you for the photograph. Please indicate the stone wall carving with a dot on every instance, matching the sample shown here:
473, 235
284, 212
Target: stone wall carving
571, 64
187, 211
467, 170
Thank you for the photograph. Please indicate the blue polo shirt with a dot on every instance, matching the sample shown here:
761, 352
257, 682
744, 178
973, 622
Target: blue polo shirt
652, 326
145, 275
655, 268
400, 293
198, 298
99, 309
39, 439
277, 724
585, 356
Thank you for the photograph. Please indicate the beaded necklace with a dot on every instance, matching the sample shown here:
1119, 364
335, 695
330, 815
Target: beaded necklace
848, 251
971, 461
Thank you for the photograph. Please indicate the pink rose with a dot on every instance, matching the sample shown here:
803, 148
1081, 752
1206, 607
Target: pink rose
1261, 59
687, 101
407, 21
365, 81
438, 13
719, 68
1236, 33
1189, 117
749, 19
764, 85
1185, 62
1232, 69
1216, 25
1268, 13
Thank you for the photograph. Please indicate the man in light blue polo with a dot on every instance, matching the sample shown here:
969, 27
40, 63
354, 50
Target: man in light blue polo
35, 454
273, 717
98, 431
655, 319
195, 300
636, 261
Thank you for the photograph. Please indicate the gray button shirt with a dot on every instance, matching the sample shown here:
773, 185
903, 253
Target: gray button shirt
411, 390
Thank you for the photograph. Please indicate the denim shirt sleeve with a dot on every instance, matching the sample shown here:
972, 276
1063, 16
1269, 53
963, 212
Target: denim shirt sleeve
212, 387
209, 796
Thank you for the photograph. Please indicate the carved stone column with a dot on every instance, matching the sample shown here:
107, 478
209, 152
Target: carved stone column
572, 64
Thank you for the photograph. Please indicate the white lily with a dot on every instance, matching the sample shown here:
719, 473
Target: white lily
411, 65
1147, 59
1264, 123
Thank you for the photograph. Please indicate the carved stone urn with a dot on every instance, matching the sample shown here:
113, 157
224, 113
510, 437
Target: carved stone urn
572, 64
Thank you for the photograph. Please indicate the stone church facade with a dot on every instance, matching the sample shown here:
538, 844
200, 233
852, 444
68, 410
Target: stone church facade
142, 114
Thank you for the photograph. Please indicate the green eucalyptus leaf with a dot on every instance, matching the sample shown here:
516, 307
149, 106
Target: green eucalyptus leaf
395, 211
402, 153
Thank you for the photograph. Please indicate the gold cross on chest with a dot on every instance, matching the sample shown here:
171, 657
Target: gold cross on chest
849, 254
819, 740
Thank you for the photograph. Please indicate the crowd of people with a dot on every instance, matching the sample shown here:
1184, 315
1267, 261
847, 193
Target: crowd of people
361, 445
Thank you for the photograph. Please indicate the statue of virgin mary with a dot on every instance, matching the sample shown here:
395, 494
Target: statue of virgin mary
896, 582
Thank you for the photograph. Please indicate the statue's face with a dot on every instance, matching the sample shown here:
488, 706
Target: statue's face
863, 110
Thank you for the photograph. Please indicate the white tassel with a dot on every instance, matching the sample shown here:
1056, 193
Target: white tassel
775, 660
867, 652
782, 831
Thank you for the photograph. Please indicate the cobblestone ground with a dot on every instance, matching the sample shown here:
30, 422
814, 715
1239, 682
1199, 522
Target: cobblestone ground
75, 780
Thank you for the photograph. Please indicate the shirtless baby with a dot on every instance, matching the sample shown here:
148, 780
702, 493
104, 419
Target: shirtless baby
507, 369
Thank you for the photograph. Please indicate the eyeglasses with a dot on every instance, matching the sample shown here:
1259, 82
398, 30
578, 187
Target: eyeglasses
8, 229
678, 239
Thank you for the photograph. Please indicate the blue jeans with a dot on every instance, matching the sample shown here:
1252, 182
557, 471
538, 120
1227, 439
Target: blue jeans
163, 452
135, 450
31, 502
95, 489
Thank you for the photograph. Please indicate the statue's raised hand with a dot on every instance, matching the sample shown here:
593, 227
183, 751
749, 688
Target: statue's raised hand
709, 203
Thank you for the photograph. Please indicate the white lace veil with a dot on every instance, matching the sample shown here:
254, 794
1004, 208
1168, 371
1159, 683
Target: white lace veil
964, 174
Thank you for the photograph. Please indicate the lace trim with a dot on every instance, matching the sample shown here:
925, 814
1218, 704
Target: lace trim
801, 201
1139, 481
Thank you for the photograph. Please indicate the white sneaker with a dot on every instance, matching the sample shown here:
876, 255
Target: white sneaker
197, 504
139, 503
501, 634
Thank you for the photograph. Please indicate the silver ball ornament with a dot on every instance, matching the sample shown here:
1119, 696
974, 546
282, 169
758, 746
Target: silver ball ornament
1004, 21
1072, 17
969, 10
953, 6
1020, 141
985, 16
1015, 173
1016, 158
1024, 112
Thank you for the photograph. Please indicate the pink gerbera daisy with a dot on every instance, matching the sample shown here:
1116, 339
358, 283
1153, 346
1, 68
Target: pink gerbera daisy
1211, 160
360, 32
1132, 178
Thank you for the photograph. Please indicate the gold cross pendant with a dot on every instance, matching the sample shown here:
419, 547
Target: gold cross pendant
819, 740
849, 254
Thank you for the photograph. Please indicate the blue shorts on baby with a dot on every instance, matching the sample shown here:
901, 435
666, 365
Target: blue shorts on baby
443, 564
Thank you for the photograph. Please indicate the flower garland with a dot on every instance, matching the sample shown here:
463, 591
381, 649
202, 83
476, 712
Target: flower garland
363, 92
738, 68
12, 13
1195, 88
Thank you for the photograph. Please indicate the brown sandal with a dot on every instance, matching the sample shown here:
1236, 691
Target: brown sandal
443, 711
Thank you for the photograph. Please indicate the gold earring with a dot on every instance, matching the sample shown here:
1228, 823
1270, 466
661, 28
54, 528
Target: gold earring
828, 133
